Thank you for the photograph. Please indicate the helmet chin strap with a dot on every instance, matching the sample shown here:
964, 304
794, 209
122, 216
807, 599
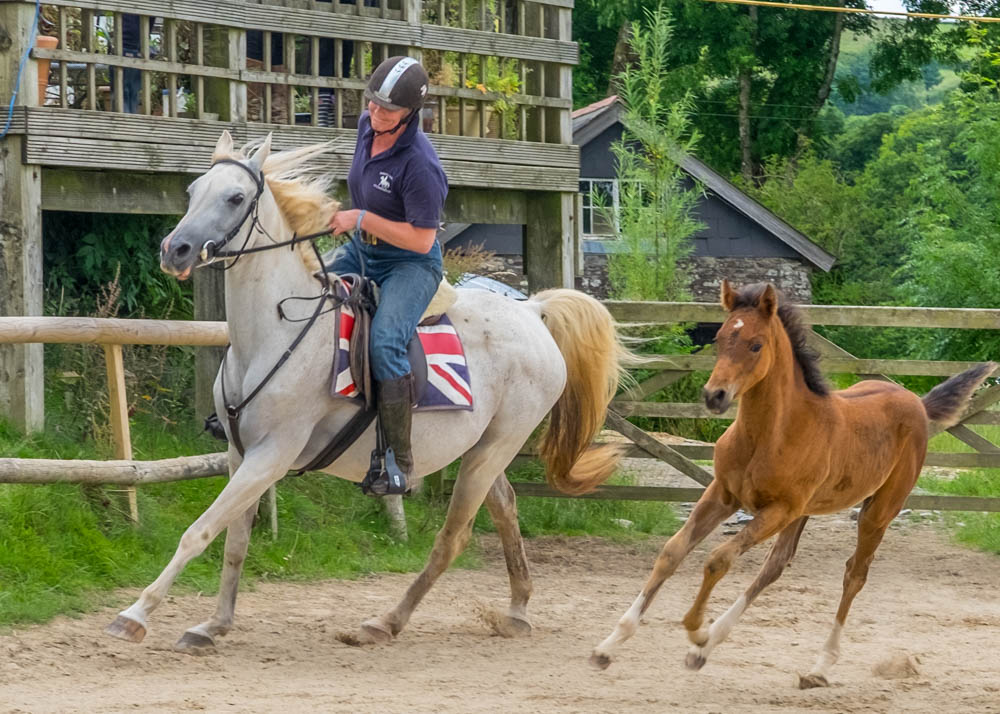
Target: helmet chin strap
401, 123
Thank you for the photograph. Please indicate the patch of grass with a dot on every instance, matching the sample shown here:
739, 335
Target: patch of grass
979, 530
64, 547
945, 442
618, 520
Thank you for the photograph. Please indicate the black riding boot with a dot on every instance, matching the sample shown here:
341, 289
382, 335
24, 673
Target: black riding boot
395, 410
395, 414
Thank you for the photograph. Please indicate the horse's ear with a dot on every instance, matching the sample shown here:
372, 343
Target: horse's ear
260, 156
727, 296
769, 301
223, 149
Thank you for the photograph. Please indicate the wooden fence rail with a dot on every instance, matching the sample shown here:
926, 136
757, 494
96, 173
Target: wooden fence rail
113, 333
835, 360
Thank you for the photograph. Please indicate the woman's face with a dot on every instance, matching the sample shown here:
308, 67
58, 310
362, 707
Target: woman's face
385, 119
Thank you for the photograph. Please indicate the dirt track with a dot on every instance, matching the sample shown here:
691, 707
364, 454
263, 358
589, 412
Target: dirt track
926, 599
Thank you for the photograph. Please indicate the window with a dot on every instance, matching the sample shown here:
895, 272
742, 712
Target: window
598, 194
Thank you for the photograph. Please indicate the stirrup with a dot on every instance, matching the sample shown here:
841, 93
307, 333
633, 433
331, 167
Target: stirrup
384, 477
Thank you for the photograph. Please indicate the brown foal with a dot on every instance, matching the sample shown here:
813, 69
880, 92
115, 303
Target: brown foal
795, 449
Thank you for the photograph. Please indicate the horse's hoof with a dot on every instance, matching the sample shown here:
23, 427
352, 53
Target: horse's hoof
694, 661
195, 643
600, 661
505, 625
378, 633
515, 627
125, 628
811, 681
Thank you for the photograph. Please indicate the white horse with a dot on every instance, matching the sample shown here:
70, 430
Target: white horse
556, 354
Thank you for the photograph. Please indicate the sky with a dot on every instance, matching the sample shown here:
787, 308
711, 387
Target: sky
890, 5
893, 5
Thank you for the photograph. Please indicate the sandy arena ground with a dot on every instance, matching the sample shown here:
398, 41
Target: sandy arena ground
924, 636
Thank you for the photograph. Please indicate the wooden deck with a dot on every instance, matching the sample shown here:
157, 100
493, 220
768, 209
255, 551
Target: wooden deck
498, 113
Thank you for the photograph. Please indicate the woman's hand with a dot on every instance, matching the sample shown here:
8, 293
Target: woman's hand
344, 221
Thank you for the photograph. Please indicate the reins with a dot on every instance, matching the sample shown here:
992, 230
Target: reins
360, 421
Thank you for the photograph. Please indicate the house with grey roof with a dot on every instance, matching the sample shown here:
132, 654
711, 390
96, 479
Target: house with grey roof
742, 240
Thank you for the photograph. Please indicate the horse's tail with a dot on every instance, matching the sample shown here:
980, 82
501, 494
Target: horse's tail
595, 359
944, 404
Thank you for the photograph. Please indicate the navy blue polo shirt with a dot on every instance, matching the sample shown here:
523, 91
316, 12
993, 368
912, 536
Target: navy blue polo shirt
405, 183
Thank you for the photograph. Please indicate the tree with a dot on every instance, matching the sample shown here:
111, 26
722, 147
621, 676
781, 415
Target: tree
759, 77
654, 223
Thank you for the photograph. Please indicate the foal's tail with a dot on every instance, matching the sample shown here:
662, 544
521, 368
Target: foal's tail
595, 359
945, 403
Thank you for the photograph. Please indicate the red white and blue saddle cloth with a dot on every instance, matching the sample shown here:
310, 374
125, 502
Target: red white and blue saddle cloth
448, 383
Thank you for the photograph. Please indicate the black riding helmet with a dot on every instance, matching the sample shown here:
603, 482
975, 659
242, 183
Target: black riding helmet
398, 83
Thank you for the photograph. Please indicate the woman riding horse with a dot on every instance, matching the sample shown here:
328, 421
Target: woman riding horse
397, 191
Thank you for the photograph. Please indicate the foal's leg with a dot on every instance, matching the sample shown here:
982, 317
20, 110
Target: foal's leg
714, 506
480, 465
502, 505
766, 523
876, 515
780, 554
259, 470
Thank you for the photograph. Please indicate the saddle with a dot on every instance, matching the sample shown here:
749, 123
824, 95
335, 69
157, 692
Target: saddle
360, 336
356, 301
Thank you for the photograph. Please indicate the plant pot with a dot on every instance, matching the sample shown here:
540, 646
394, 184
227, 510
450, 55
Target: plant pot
45, 42
470, 122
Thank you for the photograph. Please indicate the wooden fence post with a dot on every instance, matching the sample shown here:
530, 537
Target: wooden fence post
272, 506
118, 404
21, 377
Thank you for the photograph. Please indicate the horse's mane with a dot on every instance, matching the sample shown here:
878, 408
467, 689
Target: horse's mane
303, 198
791, 318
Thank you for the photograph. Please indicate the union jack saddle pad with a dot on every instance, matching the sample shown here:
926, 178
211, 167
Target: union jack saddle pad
447, 375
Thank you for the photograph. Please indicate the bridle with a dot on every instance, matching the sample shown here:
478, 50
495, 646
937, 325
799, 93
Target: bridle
212, 251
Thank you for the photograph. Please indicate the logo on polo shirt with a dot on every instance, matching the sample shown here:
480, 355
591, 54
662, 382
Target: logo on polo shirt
384, 182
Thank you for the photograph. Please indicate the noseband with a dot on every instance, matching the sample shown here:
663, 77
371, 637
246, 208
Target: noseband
210, 251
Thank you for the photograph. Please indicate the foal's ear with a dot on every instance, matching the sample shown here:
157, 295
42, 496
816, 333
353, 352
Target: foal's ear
727, 296
223, 149
260, 156
768, 304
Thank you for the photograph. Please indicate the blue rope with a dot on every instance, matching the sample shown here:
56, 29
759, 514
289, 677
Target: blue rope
24, 59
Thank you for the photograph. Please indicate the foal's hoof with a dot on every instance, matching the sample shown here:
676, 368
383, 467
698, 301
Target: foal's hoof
811, 681
195, 643
600, 661
125, 628
695, 661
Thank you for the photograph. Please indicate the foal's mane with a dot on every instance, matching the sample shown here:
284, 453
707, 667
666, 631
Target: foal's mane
791, 319
303, 198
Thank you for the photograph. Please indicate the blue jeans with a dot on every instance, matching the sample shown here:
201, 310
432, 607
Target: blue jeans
131, 88
407, 282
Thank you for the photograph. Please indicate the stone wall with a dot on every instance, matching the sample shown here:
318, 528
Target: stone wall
790, 276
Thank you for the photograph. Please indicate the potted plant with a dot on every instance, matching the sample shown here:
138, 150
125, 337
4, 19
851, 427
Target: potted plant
496, 78
45, 42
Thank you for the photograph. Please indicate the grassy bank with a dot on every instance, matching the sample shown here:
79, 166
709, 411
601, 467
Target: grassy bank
979, 530
64, 547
